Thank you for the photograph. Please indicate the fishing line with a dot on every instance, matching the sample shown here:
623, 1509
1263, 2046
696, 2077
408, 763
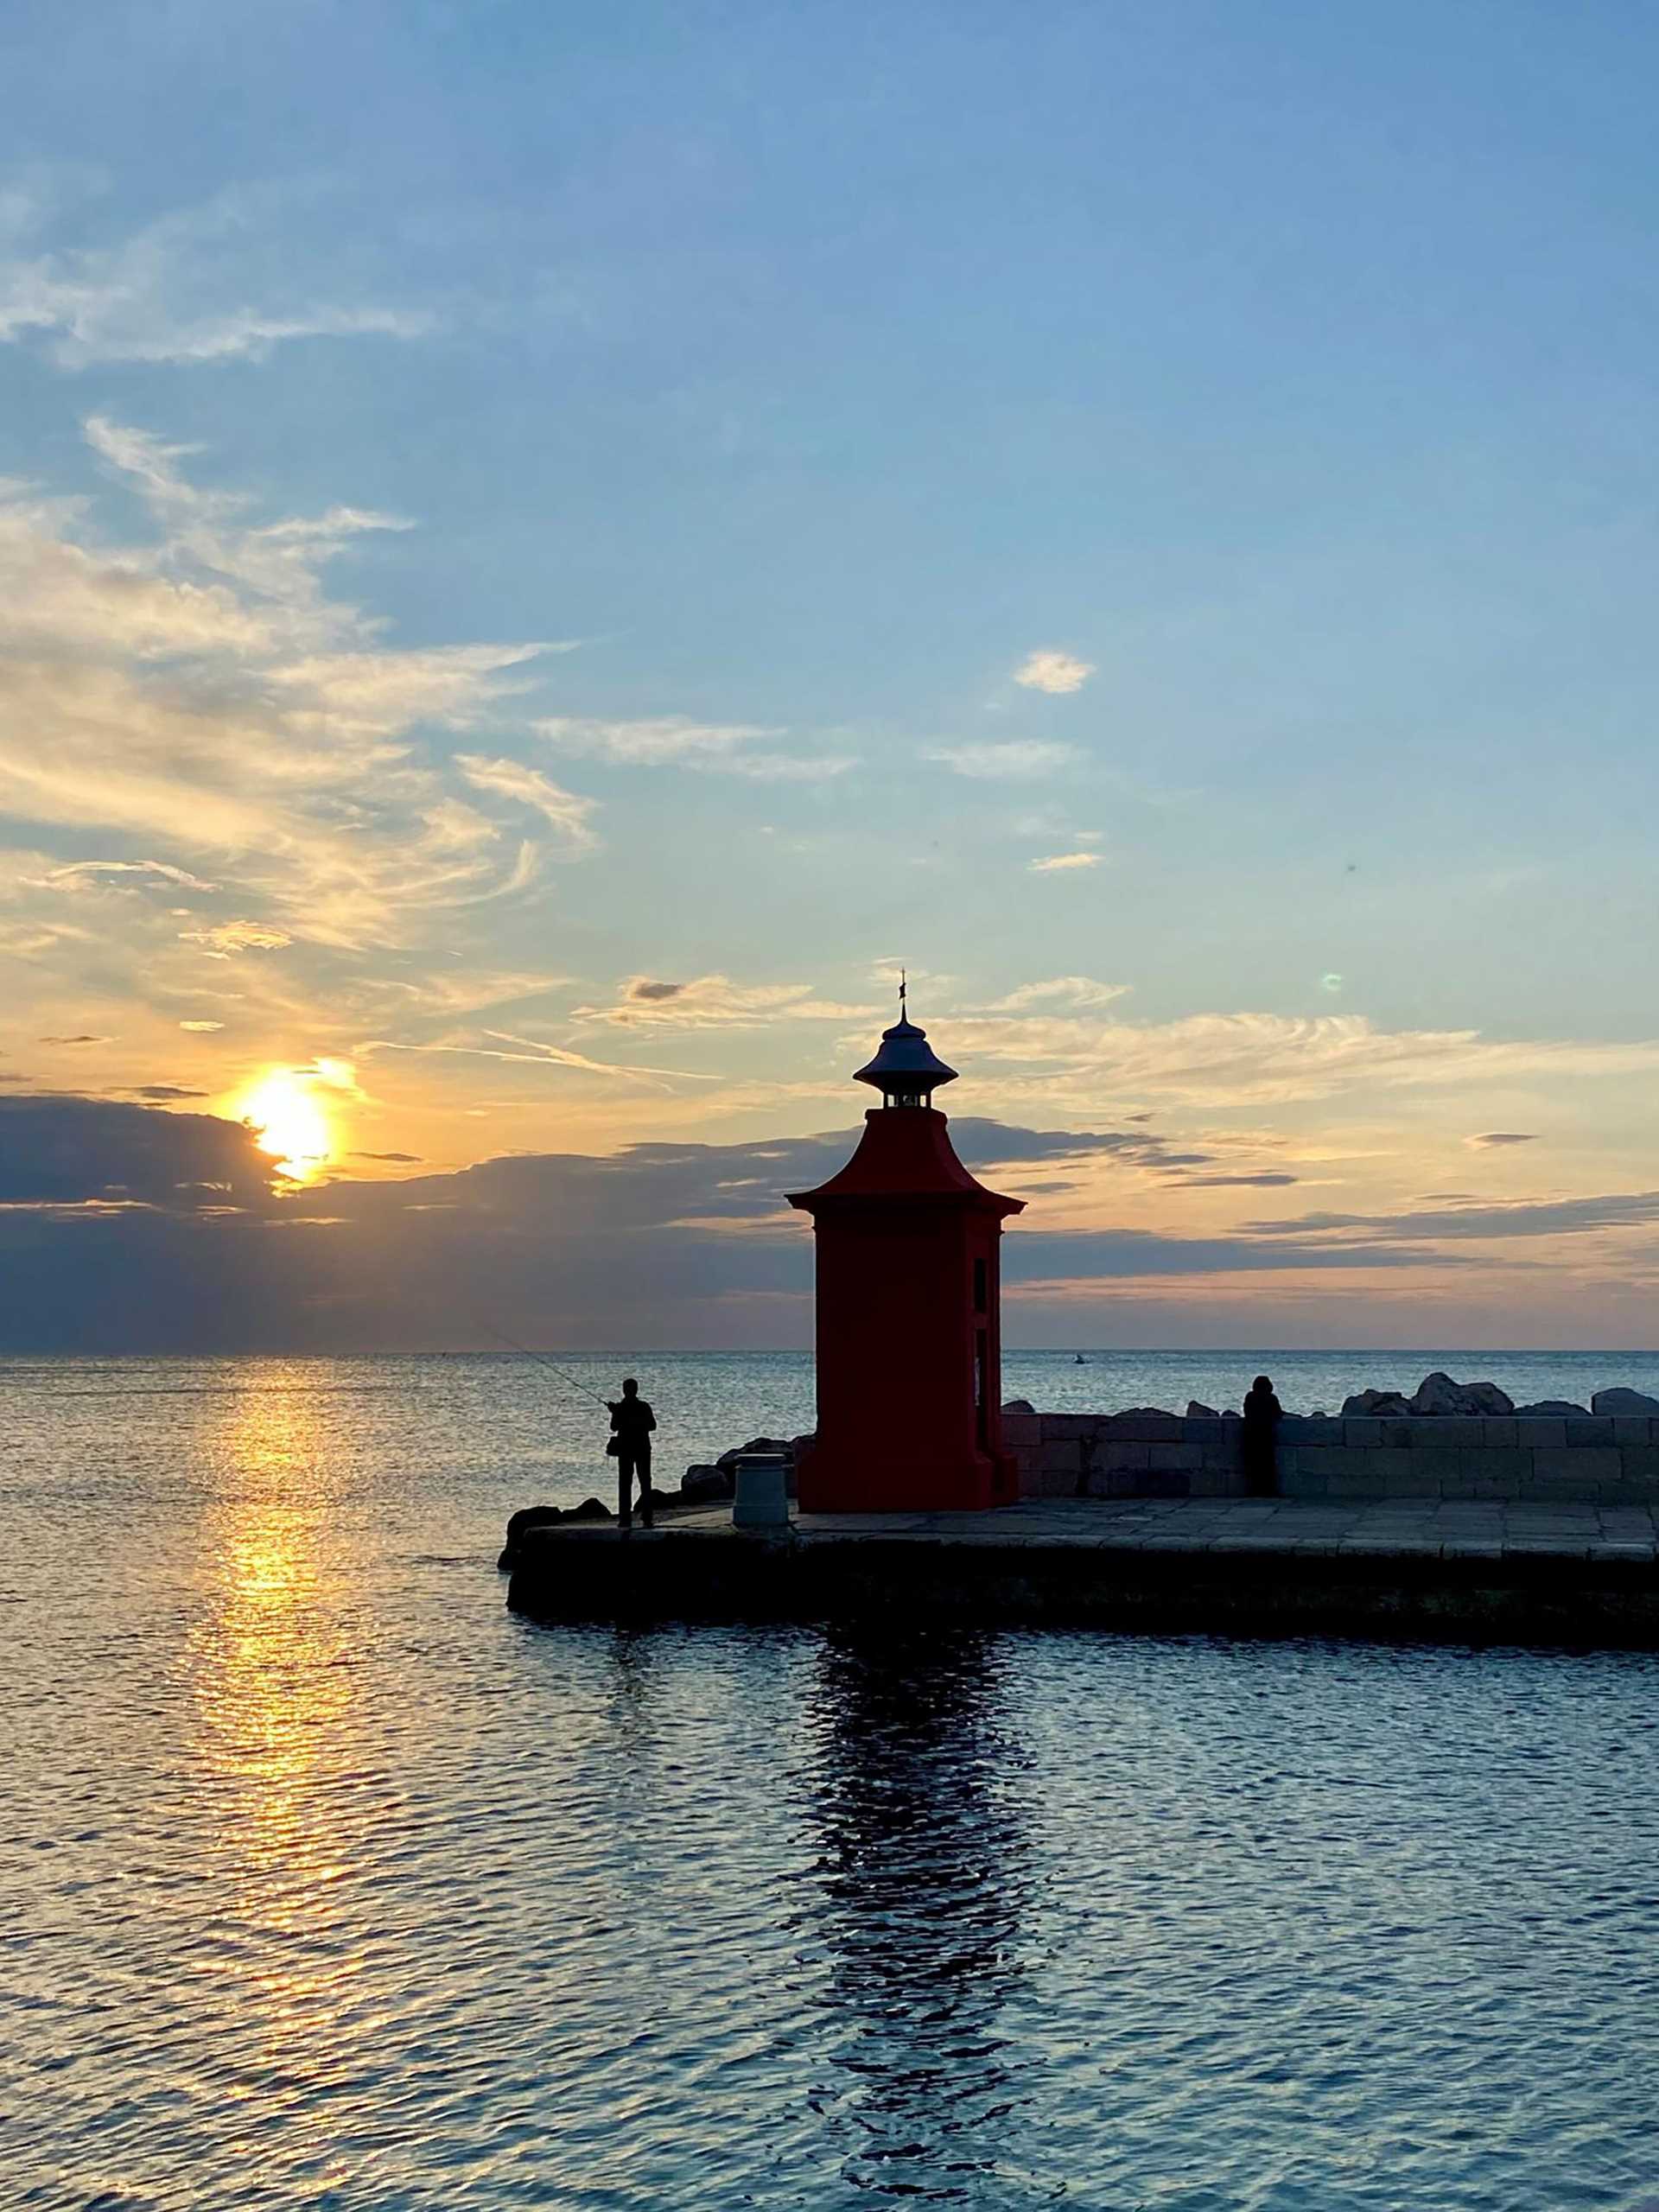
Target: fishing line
542, 1360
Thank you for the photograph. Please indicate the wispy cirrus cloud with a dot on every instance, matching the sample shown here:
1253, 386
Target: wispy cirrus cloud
715, 1002
1008, 760
745, 749
175, 291
202, 694
1049, 669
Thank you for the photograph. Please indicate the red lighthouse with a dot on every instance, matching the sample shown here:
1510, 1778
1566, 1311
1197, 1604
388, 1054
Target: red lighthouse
909, 1338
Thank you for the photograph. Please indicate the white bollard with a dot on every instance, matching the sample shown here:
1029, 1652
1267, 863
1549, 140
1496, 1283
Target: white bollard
761, 1497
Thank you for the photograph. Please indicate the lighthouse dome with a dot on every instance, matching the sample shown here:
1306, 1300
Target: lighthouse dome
906, 1070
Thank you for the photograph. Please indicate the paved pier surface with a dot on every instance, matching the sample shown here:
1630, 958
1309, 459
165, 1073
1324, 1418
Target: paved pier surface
1579, 1573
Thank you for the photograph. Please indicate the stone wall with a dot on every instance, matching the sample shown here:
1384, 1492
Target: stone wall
1598, 1457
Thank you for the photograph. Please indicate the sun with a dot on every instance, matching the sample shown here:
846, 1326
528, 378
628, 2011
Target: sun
290, 1122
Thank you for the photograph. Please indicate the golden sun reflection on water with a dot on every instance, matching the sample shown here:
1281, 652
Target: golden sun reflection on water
274, 1691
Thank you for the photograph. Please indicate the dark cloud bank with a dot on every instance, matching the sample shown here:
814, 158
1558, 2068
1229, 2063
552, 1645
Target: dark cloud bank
124, 1228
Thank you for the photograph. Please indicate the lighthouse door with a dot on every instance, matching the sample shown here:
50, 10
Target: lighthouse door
982, 1410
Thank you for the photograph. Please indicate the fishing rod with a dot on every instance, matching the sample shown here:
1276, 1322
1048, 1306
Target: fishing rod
542, 1360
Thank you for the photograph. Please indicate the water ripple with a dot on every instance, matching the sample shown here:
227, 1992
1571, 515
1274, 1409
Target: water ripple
324, 1882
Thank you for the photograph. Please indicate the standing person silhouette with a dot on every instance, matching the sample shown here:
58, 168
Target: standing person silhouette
632, 1422
1262, 1414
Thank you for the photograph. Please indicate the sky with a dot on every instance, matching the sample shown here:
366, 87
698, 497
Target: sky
544, 552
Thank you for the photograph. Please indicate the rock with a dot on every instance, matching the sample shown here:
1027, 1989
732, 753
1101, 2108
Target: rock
702, 1485
590, 1510
1624, 1401
1231, 1413
527, 1517
1017, 1406
1377, 1403
1553, 1406
656, 1499
780, 1445
1196, 1412
1162, 1412
1438, 1393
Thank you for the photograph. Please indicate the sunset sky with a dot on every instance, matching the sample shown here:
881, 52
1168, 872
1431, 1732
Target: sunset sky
544, 550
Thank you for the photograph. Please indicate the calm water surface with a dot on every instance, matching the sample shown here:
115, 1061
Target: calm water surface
325, 1882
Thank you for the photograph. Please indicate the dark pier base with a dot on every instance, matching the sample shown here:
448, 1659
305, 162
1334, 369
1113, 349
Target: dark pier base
1239, 1569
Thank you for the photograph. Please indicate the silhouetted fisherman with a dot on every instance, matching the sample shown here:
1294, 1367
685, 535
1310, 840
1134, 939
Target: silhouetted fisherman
632, 1422
1262, 1414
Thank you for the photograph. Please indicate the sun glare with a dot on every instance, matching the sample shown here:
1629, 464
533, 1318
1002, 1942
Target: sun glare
288, 1120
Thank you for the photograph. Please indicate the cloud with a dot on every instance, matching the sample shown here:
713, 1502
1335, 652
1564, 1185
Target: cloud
1049, 670
1465, 1223
1058, 861
175, 292
717, 1002
1013, 760
199, 692
123, 1227
1494, 1138
572, 818
1070, 1060
159, 1093
398, 1159
673, 741
83, 1040
201, 1028
225, 938
1077, 991
82, 872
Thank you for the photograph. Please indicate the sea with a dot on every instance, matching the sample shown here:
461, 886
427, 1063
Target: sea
325, 1882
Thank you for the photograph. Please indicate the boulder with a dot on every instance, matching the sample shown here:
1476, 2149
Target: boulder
1624, 1401
1377, 1403
591, 1508
704, 1485
1196, 1412
527, 1517
655, 1499
1552, 1406
1017, 1406
780, 1445
1162, 1412
1438, 1393
1231, 1413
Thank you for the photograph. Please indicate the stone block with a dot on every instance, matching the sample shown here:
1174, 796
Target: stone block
1540, 1432
1222, 1449
1396, 1431
1498, 1431
1143, 1428
1057, 1458
1069, 1428
1020, 1430
1051, 1484
1362, 1429
1430, 1464
1117, 1456
1165, 1457
1429, 1431
1639, 1471
1295, 1481
1302, 1428
1481, 1463
1576, 1469
1589, 1429
1633, 1430
1215, 1482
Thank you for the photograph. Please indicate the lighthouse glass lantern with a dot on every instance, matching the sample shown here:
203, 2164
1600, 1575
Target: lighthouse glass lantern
909, 1338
